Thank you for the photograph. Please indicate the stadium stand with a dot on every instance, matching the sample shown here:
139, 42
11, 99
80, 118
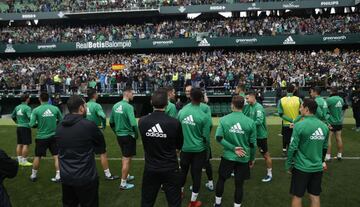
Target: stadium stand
219, 27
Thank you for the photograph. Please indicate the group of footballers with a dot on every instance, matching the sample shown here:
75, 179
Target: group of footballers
305, 137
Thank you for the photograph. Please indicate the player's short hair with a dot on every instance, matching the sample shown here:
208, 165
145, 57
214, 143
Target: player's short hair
169, 88
334, 90
251, 93
241, 86
310, 104
24, 97
159, 99
74, 103
238, 102
196, 95
316, 89
290, 88
91, 93
44, 97
128, 89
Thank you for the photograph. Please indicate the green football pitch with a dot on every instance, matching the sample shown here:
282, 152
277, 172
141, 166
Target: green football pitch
340, 182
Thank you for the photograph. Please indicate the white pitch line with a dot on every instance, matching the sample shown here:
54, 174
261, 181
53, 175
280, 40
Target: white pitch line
215, 159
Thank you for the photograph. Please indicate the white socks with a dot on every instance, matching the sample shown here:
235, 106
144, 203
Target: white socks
327, 157
107, 173
57, 175
339, 155
218, 200
194, 196
33, 173
269, 172
20, 159
237, 205
123, 182
211, 183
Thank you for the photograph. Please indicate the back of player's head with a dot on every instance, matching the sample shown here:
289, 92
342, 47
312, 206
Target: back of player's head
128, 89
164, 90
44, 97
74, 103
159, 99
310, 104
196, 95
238, 102
251, 93
240, 87
169, 88
24, 97
316, 89
290, 88
91, 93
334, 90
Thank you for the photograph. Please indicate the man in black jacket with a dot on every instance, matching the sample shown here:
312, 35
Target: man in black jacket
355, 103
77, 139
161, 136
8, 169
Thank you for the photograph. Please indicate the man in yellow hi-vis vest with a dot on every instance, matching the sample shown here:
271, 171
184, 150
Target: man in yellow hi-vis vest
288, 109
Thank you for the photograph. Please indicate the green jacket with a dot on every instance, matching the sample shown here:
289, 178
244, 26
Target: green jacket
308, 141
196, 128
122, 119
246, 108
45, 117
322, 109
96, 114
335, 105
171, 110
237, 130
21, 115
257, 113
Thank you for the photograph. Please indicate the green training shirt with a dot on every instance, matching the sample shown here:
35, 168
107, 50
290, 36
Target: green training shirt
322, 109
237, 130
123, 119
21, 115
257, 113
195, 127
308, 140
246, 108
171, 110
46, 117
96, 114
335, 105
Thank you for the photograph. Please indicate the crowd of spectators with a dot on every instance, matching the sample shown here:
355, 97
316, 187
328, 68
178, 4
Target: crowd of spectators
334, 24
21, 6
147, 72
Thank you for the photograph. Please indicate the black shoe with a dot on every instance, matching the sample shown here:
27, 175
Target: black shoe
33, 179
112, 177
54, 180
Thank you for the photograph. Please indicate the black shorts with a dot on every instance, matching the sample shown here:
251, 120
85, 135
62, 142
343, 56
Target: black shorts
127, 145
23, 135
262, 144
100, 150
302, 181
41, 145
85, 195
241, 170
336, 128
170, 181
195, 159
209, 154
287, 133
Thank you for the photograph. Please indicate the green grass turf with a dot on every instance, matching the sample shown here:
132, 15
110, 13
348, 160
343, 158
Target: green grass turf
340, 183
